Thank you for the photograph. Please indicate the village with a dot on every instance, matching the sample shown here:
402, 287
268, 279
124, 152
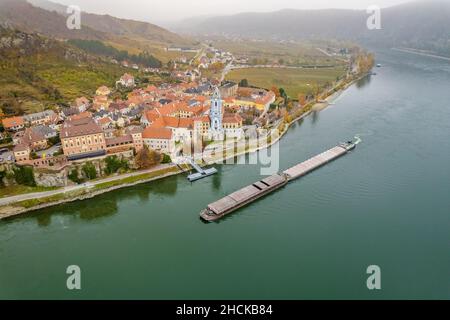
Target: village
159, 120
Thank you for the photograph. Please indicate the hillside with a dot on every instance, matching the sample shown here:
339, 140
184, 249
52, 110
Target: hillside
38, 72
23, 16
49, 19
118, 27
421, 25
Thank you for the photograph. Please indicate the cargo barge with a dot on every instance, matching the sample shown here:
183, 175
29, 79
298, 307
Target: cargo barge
240, 198
244, 196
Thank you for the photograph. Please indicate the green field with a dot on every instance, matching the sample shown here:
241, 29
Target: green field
285, 53
294, 81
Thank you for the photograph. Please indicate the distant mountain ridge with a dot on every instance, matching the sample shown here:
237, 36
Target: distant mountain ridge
421, 25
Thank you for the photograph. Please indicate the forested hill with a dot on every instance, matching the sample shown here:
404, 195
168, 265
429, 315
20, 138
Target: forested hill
99, 48
38, 72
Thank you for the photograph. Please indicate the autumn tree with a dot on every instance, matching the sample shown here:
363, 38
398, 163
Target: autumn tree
365, 62
216, 66
287, 118
147, 158
276, 91
302, 99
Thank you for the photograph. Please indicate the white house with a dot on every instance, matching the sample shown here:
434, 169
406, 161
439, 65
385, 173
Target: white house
127, 80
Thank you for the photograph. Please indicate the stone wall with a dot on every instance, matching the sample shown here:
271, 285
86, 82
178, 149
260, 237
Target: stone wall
57, 176
51, 178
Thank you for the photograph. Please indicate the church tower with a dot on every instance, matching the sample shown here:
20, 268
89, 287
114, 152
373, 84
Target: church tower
215, 116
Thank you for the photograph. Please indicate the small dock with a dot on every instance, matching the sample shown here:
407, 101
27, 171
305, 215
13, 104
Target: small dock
201, 173
244, 196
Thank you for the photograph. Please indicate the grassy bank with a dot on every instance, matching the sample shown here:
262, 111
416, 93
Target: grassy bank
135, 179
20, 189
27, 204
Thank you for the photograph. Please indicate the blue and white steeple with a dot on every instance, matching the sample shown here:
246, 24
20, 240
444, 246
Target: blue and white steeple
215, 116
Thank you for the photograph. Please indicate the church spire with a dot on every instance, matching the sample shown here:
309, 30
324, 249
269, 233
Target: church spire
216, 127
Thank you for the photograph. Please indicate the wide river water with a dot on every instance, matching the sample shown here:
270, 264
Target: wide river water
386, 204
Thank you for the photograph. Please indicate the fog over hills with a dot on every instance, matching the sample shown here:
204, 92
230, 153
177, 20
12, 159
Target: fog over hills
420, 25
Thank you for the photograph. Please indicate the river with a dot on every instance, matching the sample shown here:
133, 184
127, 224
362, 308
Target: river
386, 204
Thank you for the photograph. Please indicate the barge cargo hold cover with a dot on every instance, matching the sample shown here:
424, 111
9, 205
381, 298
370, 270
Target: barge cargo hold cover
315, 162
242, 197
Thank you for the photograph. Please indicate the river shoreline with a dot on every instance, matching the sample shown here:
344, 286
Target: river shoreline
424, 54
13, 209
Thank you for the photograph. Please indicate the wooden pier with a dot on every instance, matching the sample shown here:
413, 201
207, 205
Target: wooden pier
244, 196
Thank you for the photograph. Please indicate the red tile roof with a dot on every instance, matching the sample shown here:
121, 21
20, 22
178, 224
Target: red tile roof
157, 133
81, 101
104, 121
12, 122
173, 122
21, 147
127, 77
126, 139
151, 89
79, 127
32, 136
232, 118
81, 115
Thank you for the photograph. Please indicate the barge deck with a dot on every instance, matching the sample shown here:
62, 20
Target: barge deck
242, 197
245, 196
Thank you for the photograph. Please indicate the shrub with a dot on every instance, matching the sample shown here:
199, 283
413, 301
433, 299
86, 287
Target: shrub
114, 164
73, 176
24, 176
6, 140
2, 175
89, 170
54, 140
166, 159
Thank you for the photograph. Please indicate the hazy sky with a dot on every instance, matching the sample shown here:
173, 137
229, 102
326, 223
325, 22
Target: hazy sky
159, 11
